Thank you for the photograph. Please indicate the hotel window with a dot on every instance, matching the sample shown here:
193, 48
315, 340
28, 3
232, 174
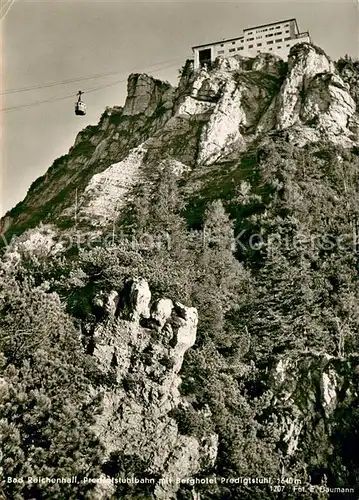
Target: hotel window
270, 48
288, 38
233, 43
279, 40
232, 50
259, 45
222, 44
279, 47
250, 46
270, 42
267, 36
288, 44
240, 48
221, 52
250, 33
287, 31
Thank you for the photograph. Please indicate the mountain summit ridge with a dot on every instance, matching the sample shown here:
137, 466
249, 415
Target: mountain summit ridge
211, 114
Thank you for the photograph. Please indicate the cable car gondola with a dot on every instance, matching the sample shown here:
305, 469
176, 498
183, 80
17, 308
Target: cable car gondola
80, 106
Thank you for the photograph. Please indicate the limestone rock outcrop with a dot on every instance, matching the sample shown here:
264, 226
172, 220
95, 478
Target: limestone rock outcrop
309, 383
314, 101
145, 94
142, 347
349, 72
104, 196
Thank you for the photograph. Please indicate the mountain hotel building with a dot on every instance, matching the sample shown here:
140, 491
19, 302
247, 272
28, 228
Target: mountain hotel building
276, 38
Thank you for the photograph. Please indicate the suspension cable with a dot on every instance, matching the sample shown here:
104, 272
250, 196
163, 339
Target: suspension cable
67, 96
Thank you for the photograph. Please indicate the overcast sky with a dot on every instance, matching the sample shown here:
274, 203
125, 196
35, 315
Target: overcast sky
57, 40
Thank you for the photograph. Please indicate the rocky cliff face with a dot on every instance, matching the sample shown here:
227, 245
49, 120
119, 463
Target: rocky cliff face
308, 386
349, 72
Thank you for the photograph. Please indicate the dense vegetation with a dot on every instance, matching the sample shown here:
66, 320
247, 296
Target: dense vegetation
46, 410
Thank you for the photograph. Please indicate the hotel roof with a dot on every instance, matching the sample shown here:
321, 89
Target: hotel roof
271, 24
